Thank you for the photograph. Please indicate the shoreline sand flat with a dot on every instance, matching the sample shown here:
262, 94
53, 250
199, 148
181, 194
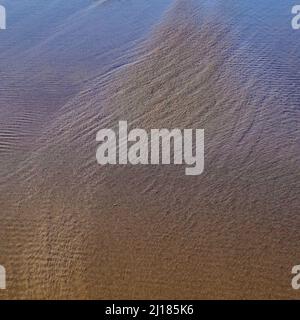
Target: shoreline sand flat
73, 229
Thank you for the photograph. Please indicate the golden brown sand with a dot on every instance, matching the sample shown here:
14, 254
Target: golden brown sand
73, 229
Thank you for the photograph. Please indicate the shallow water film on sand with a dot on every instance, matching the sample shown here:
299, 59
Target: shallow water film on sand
74, 229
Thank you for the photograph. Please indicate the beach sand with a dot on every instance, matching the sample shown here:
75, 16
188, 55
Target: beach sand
73, 229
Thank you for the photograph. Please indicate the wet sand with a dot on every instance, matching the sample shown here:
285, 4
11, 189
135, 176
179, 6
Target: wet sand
73, 229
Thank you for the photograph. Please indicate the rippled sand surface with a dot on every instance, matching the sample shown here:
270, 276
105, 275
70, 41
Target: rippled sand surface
73, 229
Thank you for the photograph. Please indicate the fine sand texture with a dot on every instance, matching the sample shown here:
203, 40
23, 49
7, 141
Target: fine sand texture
71, 228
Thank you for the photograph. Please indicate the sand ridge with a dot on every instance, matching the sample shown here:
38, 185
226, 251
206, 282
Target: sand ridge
72, 229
